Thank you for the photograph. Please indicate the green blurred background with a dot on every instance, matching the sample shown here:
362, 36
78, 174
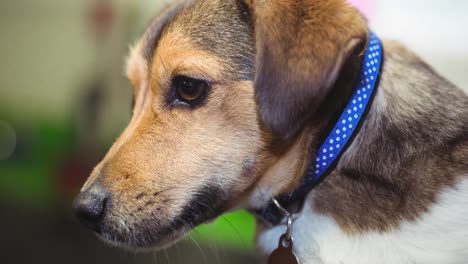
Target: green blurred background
64, 99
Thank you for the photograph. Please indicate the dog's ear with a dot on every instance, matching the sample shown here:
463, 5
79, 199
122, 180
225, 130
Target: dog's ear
301, 47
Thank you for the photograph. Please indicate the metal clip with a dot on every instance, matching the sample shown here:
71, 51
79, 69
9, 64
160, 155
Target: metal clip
289, 217
284, 254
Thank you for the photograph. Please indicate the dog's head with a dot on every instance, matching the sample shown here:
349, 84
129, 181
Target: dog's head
218, 86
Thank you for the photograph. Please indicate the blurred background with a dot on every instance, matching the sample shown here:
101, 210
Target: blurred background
64, 99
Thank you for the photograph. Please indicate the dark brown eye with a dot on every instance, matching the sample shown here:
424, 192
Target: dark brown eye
188, 89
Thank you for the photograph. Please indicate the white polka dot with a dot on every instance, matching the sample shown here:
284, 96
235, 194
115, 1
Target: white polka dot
360, 105
331, 155
349, 112
354, 101
355, 109
338, 146
324, 164
338, 131
317, 166
360, 99
324, 151
350, 119
324, 157
345, 136
331, 141
318, 159
344, 129
365, 96
317, 171
343, 121
356, 116
331, 148
350, 126
338, 139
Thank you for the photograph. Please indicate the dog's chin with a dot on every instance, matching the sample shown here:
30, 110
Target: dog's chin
144, 245
144, 241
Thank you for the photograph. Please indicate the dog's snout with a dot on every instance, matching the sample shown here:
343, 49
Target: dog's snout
90, 207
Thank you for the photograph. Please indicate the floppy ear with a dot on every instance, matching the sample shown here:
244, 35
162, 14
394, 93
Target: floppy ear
301, 49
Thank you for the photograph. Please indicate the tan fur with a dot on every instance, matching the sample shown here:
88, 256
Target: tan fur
136, 67
166, 156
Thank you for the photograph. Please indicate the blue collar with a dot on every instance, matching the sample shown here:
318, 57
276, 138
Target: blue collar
340, 136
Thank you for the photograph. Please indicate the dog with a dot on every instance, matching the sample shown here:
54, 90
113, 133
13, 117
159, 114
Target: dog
232, 99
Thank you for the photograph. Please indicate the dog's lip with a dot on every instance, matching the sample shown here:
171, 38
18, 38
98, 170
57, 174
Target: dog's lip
139, 245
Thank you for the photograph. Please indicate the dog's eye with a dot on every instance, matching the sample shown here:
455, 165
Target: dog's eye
188, 89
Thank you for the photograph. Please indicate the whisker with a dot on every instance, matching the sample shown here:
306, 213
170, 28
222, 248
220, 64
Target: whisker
214, 250
178, 251
164, 190
235, 230
205, 259
262, 196
210, 246
167, 256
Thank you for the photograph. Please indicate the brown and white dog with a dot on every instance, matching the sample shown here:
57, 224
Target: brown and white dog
232, 99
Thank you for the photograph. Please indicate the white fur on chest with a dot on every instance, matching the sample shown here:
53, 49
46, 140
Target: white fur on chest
440, 236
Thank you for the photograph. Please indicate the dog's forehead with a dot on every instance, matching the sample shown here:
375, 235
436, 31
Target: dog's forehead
219, 27
160, 22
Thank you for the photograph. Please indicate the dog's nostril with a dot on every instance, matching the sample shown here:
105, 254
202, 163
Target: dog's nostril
89, 208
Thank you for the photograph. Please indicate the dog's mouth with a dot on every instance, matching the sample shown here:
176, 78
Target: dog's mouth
155, 233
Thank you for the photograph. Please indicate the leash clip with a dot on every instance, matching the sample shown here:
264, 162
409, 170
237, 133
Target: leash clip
284, 254
289, 217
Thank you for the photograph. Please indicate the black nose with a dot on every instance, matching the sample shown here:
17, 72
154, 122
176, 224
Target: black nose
90, 206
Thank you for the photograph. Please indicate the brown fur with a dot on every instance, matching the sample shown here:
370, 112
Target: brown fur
280, 73
412, 147
301, 46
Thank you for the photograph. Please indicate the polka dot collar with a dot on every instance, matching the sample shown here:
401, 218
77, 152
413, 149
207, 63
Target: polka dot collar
342, 133
350, 119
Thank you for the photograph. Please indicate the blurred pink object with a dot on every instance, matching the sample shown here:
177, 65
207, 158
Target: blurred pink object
363, 5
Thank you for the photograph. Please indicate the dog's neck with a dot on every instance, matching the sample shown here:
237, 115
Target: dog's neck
352, 75
404, 168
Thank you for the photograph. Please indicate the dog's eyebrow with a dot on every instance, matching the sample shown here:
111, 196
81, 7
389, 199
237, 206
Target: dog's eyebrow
157, 28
